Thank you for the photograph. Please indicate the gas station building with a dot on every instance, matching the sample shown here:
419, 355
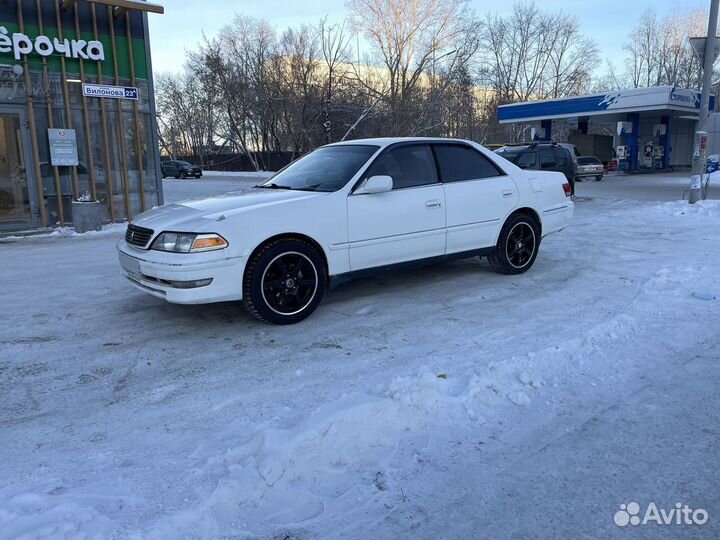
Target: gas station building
651, 128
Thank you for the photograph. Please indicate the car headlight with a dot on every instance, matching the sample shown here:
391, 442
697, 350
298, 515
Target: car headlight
188, 242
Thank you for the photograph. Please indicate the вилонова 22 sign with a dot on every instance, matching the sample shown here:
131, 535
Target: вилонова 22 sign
20, 44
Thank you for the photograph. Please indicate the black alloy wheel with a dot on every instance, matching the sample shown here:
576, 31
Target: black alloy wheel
284, 281
517, 246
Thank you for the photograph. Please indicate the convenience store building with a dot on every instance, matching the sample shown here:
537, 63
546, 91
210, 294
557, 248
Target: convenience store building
77, 113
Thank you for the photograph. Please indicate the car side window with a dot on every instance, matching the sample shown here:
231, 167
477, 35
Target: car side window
527, 160
547, 158
409, 166
458, 163
562, 156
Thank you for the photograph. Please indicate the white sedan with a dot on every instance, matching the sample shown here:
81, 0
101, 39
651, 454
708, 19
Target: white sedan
344, 210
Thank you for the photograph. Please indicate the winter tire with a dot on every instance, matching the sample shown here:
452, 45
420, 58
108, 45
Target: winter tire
183, 175
598, 178
517, 246
284, 282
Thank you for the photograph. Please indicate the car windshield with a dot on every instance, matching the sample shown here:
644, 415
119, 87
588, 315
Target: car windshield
588, 161
326, 169
184, 164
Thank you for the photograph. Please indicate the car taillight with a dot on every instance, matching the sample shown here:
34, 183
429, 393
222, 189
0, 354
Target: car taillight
566, 188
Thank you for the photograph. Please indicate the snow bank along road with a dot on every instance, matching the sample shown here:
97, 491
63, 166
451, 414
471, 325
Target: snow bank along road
449, 402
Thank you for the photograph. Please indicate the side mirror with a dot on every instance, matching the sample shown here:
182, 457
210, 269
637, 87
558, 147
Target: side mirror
377, 184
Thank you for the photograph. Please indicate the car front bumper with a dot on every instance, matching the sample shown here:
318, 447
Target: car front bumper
182, 278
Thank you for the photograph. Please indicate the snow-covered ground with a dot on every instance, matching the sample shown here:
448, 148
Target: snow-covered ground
448, 402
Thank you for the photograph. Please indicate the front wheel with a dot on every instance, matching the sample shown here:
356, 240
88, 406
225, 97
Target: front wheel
183, 175
284, 281
517, 246
598, 178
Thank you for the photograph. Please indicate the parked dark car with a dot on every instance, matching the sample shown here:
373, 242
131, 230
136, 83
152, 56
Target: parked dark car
541, 156
180, 169
589, 167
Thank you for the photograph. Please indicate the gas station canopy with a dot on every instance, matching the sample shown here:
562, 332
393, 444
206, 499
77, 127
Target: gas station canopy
661, 117
657, 98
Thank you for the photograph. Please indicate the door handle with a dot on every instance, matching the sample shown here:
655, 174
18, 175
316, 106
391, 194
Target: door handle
433, 204
507, 193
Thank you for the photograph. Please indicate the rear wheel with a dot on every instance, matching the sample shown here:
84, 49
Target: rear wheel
284, 281
517, 246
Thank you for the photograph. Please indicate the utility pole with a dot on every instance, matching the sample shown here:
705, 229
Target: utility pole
700, 150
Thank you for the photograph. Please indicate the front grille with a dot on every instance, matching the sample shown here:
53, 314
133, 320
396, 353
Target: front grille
138, 236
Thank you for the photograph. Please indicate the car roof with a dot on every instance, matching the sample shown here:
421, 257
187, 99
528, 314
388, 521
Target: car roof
532, 146
387, 141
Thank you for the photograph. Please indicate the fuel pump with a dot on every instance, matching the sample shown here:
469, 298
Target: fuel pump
649, 154
623, 156
659, 156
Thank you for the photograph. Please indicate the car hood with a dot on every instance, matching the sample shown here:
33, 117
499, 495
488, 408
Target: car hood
201, 211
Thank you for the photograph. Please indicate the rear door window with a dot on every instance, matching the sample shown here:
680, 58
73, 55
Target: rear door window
458, 163
547, 158
562, 157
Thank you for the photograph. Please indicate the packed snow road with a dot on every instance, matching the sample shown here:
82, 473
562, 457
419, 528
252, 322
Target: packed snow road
448, 402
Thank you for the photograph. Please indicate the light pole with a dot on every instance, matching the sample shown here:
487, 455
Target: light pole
700, 149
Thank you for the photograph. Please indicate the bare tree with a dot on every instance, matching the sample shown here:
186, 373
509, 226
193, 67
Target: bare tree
573, 57
644, 62
237, 61
409, 38
334, 44
659, 52
188, 112
533, 54
609, 80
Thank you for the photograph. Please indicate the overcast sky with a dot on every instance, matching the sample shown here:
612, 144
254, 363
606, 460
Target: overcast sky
184, 21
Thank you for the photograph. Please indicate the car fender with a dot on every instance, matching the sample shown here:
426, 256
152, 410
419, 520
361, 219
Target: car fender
316, 219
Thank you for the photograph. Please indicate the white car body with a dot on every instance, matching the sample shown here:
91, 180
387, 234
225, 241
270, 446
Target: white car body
354, 232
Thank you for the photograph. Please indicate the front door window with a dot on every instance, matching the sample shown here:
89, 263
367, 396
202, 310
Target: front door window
15, 210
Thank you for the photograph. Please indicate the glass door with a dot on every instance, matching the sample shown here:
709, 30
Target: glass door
16, 197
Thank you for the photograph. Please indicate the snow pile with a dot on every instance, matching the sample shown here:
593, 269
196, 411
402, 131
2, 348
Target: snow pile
69, 232
31, 516
707, 208
334, 461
